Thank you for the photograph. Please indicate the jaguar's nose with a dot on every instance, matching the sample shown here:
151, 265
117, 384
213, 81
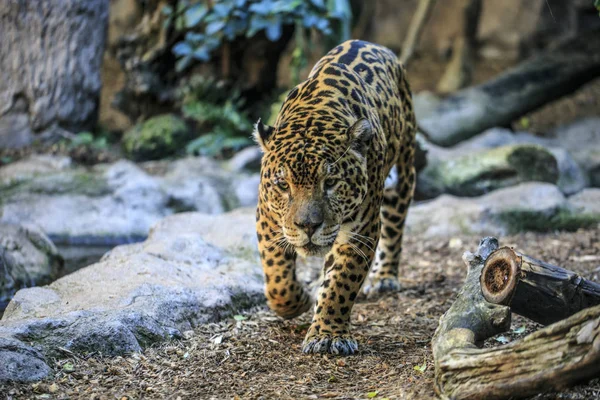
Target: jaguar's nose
309, 226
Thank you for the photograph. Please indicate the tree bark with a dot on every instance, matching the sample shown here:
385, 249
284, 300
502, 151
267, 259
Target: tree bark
50, 58
550, 75
534, 289
554, 357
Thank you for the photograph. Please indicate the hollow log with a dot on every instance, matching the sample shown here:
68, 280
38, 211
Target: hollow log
537, 290
554, 357
546, 77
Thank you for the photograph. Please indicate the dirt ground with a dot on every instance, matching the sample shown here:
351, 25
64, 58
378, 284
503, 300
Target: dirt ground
257, 355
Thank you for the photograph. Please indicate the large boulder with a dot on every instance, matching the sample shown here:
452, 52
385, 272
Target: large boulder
581, 139
576, 160
479, 172
117, 203
50, 61
531, 206
192, 269
27, 258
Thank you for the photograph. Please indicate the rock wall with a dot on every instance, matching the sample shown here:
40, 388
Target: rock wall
50, 61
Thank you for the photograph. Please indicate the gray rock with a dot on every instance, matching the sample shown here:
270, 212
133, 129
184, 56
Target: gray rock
21, 363
247, 159
572, 175
27, 258
528, 206
50, 62
582, 140
37, 164
246, 190
586, 201
478, 172
117, 203
425, 103
192, 269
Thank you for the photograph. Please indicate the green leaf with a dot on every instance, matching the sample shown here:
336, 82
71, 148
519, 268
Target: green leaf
83, 138
370, 395
525, 123
421, 368
68, 367
195, 14
239, 318
214, 27
183, 63
274, 30
182, 49
331, 379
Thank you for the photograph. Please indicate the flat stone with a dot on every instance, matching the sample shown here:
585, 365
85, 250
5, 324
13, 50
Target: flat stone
586, 201
21, 363
193, 269
117, 203
449, 215
37, 164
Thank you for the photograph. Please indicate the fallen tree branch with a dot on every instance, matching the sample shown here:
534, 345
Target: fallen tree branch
534, 289
544, 78
552, 358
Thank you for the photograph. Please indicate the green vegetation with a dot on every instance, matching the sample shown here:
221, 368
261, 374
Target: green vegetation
562, 219
218, 110
207, 27
155, 138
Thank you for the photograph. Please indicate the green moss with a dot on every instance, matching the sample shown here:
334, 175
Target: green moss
156, 138
561, 220
478, 173
82, 183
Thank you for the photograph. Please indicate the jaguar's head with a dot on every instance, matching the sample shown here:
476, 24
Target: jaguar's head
313, 182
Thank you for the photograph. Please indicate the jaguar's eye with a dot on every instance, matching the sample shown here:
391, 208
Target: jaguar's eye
283, 185
329, 183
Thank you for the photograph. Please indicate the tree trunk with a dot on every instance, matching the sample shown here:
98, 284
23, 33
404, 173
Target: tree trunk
553, 74
534, 289
50, 59
555, 357
459, 71
417, 23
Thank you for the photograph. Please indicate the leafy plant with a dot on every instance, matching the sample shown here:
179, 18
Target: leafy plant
87, 139
219, 110
208, 25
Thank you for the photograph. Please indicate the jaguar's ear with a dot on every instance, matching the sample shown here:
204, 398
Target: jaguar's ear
262, 133
360, 134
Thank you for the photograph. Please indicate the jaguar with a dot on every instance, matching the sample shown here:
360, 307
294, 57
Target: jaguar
325, 161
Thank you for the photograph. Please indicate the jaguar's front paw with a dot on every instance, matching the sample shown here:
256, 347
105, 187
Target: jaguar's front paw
329, 343
380, 286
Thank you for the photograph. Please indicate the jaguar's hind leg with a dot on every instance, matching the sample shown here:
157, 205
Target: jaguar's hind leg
384, 274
